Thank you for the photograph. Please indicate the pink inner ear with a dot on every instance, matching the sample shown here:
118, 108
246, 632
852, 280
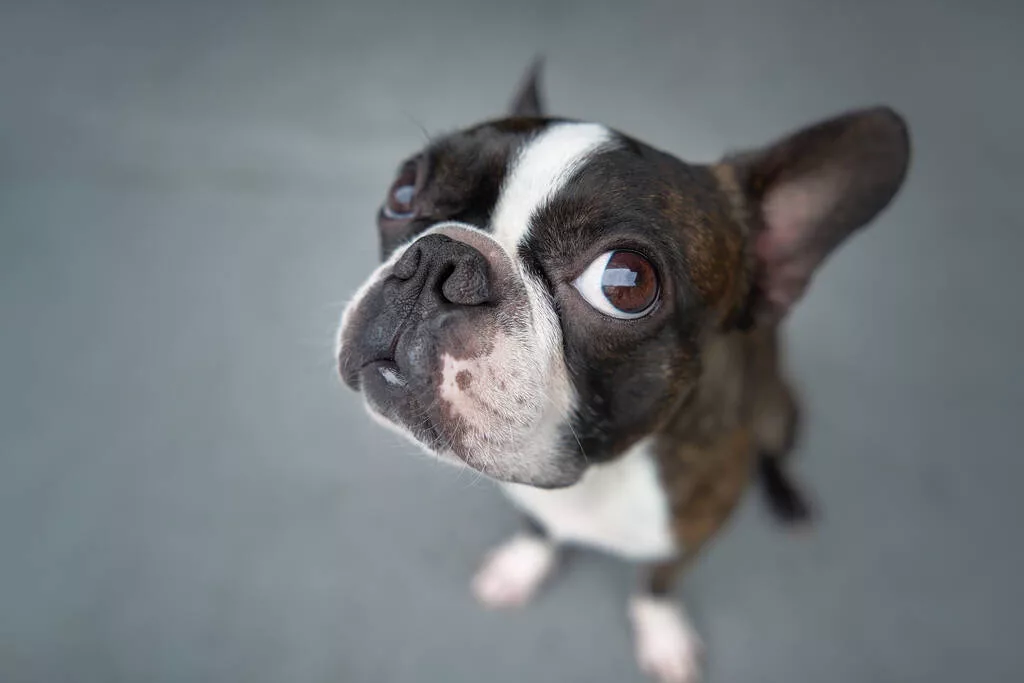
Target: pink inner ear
791, 245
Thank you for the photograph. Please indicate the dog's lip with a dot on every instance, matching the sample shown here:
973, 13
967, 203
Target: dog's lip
388, 369
352, 376
387, 392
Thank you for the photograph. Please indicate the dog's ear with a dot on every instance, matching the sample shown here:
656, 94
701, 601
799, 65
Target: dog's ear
809, 191
527, 100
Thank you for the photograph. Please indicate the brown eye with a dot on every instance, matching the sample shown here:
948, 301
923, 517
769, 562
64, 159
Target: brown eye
402, 195
621, 284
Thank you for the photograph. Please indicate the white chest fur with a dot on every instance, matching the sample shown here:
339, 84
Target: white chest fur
619, 507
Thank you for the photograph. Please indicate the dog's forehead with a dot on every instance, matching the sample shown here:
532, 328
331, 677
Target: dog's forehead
508, 170
538, 172
551, 190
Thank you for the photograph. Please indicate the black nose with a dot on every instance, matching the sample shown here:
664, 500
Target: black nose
445, 270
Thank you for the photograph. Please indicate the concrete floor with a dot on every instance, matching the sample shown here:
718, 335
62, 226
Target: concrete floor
187, 494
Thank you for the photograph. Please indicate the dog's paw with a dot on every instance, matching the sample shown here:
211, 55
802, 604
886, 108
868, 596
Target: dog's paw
513, 572
667, 647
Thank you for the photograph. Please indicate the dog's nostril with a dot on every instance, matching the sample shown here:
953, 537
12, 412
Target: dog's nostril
408, 264
468, 284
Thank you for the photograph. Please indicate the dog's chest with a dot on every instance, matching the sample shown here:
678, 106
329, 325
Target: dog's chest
619, 507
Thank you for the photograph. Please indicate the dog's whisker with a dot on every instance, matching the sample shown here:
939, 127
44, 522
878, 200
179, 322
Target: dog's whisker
568, 422
427, 137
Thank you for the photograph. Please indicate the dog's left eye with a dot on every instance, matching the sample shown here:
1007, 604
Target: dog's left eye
621, 284
399, 204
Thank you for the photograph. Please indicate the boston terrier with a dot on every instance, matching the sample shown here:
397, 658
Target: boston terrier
594, 324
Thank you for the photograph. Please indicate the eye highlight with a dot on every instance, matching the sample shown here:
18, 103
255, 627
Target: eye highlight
620, 284
400, 202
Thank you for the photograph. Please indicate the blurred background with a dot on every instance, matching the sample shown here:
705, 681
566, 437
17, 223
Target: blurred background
188, 494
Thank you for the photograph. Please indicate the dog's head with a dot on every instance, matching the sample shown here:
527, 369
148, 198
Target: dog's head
548, 284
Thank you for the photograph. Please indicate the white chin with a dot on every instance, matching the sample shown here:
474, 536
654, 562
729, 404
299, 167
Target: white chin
512, 466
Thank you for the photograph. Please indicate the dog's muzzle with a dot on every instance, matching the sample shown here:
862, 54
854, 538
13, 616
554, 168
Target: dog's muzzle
435, 284
456, 347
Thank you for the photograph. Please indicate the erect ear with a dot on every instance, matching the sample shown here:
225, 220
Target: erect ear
809, 191
527, 100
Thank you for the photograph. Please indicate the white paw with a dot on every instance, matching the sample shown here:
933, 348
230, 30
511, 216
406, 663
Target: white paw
512, 573
667, 647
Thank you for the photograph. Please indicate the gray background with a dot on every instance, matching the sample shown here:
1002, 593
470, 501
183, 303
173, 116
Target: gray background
186, 199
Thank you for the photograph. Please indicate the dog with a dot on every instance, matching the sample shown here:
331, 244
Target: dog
594, 324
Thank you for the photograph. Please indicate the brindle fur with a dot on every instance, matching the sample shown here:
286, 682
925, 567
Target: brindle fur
742, 408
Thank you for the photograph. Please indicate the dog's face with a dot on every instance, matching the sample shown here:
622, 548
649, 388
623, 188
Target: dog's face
548, 284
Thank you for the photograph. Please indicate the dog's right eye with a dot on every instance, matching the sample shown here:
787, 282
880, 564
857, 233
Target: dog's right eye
400, 202
621, 284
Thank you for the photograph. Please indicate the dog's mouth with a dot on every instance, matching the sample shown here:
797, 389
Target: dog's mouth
390, 372
386, 367
383, 362
466, 411
402, 399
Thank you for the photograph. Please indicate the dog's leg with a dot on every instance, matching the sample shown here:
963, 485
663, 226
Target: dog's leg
667, 646
775, 421
512, 572
704, 482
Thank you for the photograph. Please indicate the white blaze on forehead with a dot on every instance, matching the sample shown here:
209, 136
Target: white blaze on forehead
538, 172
